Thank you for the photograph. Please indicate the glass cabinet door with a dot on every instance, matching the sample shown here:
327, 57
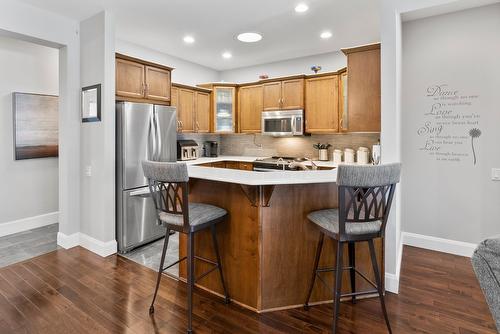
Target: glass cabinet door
224, 109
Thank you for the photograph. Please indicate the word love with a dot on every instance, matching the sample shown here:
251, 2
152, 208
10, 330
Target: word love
436, 110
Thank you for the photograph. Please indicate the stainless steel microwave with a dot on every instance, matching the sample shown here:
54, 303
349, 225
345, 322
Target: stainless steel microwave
283, 123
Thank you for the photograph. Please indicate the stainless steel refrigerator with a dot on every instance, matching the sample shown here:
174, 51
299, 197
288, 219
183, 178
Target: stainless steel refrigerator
143, 132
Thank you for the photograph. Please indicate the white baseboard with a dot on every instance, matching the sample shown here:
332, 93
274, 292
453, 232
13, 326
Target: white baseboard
439, 244
29, 223
391, 283
99, 247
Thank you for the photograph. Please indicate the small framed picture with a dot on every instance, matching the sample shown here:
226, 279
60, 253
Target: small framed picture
91, 103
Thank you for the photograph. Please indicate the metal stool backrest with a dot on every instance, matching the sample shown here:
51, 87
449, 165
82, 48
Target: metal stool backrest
168, 184
365, 195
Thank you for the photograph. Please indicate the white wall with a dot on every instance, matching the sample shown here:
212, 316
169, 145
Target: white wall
185, 72
457, 199
29, 187
328, 61
29, 23
391, 12
98, 138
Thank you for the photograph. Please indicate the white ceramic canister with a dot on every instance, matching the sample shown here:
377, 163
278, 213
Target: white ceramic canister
348, 155
337, 156
363, 155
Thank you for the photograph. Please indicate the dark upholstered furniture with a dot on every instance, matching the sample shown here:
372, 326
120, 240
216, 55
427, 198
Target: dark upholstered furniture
168, 184
365, 197
486, 263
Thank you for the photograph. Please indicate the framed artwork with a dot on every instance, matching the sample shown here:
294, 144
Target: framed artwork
91, 103
36, 125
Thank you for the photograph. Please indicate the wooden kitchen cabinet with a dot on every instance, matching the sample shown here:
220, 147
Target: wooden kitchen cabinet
250, 106
193, 108
363, 89
284, 94
223, 118
185, 110
322, 104
202, 111
157, 84
142, 81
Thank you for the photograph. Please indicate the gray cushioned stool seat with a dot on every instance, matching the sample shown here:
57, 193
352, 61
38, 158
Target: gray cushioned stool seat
199, 214
486, 263
329, 220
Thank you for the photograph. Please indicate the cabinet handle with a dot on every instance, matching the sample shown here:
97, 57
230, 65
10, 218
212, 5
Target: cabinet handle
342, 124
197, 126
182, 125
146, 89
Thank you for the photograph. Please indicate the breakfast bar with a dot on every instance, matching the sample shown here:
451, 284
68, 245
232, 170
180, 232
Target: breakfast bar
267, 244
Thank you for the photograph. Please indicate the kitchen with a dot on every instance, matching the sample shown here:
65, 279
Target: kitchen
250, 148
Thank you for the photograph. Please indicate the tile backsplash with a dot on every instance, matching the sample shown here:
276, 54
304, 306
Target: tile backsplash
258, 145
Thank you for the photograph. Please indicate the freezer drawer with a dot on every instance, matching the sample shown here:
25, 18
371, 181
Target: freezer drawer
137, 223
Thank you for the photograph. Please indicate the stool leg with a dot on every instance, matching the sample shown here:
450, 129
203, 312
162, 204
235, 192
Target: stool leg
190, 280
316, 263
160, 270
352, 263
379, 284
219, 264
338, 286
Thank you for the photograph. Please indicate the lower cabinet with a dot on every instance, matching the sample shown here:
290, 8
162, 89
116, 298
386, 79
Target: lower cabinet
230, 165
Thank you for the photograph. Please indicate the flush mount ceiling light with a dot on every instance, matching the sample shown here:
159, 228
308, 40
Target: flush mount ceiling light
249, 37
325, 34
301, 8
227, 55
188, 39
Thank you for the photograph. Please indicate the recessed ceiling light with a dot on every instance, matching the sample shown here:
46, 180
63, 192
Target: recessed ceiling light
188, 39
227, 55
301, 8
249, 37
326, 34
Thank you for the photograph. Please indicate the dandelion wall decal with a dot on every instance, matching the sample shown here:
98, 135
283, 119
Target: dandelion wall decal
474, 133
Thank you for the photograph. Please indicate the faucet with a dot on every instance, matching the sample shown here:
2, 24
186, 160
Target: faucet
313, 165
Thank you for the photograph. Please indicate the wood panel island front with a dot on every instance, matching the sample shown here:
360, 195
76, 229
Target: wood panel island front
267, 244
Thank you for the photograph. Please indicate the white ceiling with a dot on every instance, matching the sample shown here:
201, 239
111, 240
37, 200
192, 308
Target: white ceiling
162, 24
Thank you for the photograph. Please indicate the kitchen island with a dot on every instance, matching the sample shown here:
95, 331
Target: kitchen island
267, 244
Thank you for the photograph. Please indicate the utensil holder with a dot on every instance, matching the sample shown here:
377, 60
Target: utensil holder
323, 155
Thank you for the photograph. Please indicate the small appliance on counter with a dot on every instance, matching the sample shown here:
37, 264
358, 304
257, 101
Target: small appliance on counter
363, 155
187, 150
211, 149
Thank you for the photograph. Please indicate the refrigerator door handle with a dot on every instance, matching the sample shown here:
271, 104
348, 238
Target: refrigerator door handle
158, 134
152, 135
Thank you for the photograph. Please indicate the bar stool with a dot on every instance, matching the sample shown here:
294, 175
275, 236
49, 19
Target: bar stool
168, 184
364, 200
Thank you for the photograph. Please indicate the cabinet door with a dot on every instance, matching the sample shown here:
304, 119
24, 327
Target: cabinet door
343, 104
272, 96
250, 108
202, 116
185, 110
292, 95
174, 102
246, 166
224, 109
322, 100
129, 78
157, 84
232, 165
363, 108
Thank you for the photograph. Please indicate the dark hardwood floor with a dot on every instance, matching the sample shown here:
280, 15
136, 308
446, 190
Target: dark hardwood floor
75, 291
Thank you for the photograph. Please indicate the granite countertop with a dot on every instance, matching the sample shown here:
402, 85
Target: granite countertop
259, 178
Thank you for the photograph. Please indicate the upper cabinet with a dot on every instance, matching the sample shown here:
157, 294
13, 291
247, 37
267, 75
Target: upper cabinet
363, 89
142, 81
193, 108
250, 106
283, 95
223, 107
322, 104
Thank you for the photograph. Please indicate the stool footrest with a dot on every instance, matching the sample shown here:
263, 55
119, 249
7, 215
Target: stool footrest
330, 269
215, 266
